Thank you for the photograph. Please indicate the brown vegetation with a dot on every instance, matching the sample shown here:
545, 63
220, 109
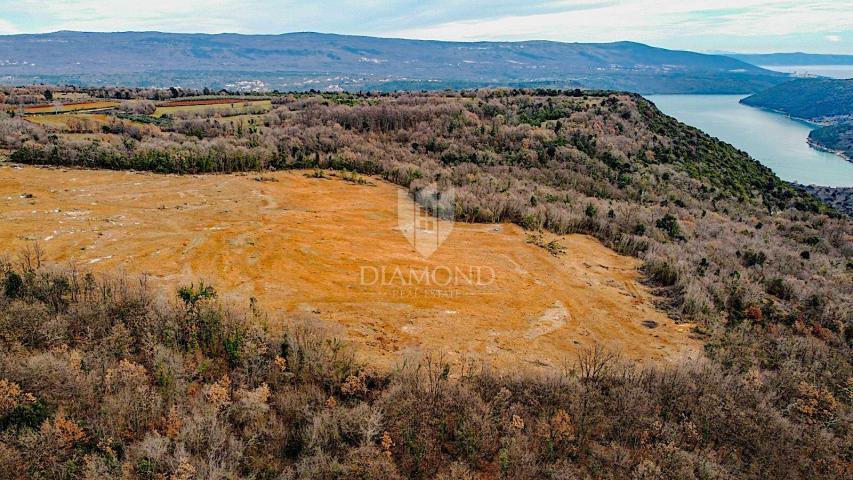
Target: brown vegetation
101, 379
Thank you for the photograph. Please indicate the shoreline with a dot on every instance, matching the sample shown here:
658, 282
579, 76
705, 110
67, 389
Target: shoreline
823, 148
787, 115
813, 144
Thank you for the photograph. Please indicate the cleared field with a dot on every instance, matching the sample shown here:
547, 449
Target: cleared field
69, 121
70, 107
329, 250
231, 107
205, 101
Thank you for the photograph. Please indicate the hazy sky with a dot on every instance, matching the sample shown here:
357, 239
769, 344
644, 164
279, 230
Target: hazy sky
823, 26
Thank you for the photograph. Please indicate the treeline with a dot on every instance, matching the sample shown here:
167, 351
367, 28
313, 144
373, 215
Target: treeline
102, 379
165, 158
39, 94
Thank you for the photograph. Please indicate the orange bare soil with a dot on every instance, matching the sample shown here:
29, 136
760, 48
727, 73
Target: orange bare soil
322, 248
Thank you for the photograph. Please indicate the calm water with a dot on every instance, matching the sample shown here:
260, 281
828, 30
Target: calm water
773, 139
831, 71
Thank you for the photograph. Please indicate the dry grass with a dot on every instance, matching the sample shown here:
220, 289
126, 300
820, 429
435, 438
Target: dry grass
71, 123
762, 268
223, 108
205, 101
71, 107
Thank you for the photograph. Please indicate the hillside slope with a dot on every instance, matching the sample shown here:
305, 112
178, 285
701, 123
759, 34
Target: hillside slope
301, 61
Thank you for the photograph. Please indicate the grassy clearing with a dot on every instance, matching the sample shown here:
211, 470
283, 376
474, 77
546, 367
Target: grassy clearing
251, 119
71, 107
222, 108
205, 101
67, 122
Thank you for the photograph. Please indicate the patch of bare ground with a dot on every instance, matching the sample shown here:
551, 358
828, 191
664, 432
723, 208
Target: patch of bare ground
333, 250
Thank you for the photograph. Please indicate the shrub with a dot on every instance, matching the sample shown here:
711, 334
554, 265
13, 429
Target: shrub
662, 272
779, 288
192, 296
751, 258
13, 285
669, 224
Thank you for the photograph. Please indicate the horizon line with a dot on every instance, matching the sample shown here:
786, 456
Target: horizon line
531, 40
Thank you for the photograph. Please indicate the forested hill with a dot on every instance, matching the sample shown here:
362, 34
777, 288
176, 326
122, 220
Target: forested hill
815, 99
303, 61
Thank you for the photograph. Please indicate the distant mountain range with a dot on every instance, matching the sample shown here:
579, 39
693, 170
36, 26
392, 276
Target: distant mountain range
302, 61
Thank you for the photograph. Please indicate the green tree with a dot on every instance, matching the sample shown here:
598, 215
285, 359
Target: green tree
669, 224
192, 296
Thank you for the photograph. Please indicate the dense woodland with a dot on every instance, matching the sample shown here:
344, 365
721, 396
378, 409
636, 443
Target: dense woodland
103, 379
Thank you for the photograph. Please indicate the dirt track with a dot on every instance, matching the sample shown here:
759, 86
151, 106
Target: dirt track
317, 248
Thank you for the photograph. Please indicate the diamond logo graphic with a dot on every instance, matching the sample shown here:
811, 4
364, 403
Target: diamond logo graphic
426, 217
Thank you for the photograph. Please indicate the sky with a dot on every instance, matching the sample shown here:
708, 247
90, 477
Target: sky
748, 26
